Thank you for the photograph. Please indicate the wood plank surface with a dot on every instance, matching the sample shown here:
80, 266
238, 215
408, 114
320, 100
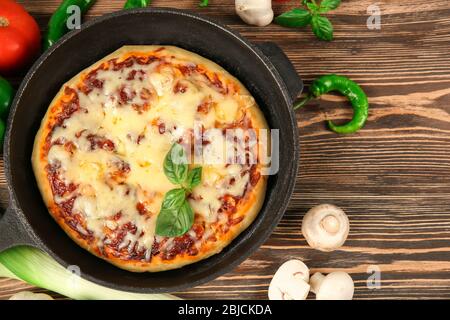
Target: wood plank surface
392, 178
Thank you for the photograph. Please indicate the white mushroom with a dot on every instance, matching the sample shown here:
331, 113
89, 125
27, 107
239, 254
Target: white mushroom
28, 295
334, 286
325, 227
290, 282
255, 12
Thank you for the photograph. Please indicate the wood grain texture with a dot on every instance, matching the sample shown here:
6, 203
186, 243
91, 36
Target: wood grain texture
392, 178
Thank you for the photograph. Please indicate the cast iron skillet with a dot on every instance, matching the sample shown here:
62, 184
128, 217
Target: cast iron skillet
263, 69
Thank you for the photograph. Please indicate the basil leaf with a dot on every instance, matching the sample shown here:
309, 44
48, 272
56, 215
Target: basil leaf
312, 7
327, 5
194, 178
294, 18
322, 28
203, 3
175, 165
175, 222
173, 199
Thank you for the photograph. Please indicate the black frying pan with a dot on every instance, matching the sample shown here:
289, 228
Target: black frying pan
263, 69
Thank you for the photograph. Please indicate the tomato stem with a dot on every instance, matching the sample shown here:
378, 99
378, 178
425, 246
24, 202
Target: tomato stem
4, 22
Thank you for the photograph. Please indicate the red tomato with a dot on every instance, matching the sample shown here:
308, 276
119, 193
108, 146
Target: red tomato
20, 38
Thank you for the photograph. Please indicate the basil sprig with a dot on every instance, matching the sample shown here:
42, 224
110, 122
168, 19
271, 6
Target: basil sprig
175, 164
176, 216
320, 25
194, 178
203, 3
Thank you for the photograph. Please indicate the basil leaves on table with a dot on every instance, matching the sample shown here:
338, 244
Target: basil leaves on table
203, 3
322, 28
320, 25
294, 19
328, 5
176, 216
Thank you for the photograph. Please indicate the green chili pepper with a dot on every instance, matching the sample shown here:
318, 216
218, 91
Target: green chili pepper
130, 4
6, 96
349, 89
57, 26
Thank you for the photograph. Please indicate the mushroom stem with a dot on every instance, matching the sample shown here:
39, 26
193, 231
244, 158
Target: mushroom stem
330, 224
315, 281
325, 227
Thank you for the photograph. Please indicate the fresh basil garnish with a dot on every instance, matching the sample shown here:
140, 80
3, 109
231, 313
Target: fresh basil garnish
294, 18
313, 7
203, 3
328, 5
175, 165
174, 199
174, 222
176, 216
322, 28
194, 178
298, 17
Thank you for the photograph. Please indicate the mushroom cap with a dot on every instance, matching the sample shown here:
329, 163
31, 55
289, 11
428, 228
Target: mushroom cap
294, 289
255, 12
293, 268
325, 227
335, 286
290, 282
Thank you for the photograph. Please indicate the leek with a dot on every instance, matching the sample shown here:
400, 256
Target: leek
39, 269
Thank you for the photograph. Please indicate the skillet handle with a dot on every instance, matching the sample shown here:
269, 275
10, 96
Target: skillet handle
12, 232
284, 67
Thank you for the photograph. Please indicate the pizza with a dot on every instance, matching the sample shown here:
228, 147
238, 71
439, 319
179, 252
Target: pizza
98, 156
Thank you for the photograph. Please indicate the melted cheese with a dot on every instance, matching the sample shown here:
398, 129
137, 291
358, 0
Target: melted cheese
140, 144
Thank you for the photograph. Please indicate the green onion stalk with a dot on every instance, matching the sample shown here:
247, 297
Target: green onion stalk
39, 269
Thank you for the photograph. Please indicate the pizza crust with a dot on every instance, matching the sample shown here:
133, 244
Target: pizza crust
250, 205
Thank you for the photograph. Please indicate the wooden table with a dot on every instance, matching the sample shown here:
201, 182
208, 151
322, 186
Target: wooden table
392, 178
